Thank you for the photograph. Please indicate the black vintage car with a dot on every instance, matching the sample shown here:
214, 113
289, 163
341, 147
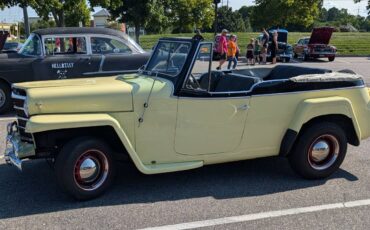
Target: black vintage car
285, 50
60, 53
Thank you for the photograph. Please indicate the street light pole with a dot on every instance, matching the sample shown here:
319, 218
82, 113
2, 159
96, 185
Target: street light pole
216, 2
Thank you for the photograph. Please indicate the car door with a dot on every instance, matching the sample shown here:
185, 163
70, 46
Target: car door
118, 56
65, 57
207, 124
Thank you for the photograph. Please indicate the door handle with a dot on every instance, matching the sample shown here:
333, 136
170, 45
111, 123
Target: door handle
243, 107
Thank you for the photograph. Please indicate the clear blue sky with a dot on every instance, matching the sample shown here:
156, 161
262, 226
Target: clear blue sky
15, 13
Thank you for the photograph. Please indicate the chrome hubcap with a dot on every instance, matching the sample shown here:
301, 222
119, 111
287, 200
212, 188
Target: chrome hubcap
2, 98
323, 152
91, 170
320, 151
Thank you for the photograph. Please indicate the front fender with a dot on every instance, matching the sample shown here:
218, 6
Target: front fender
311, 108
41, 123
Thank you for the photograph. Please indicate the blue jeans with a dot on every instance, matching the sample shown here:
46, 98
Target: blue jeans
230, 60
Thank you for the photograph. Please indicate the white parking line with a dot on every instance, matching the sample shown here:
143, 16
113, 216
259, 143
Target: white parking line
261, 215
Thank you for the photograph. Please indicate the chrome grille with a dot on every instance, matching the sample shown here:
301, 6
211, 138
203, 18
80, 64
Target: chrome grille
19, 98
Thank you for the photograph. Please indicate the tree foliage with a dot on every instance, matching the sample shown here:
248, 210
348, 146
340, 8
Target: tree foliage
230, 20
64, 12
285, 13
187, 15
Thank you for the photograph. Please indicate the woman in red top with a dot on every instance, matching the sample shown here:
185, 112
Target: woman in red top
222, 46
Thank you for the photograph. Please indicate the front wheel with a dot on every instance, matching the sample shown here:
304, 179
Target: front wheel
5, 98
331, 59
319, 151
85, 168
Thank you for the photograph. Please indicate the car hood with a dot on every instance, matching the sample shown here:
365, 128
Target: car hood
321, 35
105, 94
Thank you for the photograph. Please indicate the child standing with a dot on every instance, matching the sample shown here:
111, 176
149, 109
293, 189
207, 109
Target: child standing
257, 51
250, 52
231, 52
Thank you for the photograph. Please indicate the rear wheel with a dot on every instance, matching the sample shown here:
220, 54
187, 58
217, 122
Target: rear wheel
5, 98
295, 55
85, 168
331, 58
319, 151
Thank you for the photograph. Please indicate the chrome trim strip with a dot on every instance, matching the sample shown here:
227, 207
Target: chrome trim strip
19, 97
22, 118
112, 72
19, 108
101, 63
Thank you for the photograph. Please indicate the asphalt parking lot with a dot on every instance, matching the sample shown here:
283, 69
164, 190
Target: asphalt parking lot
255, 194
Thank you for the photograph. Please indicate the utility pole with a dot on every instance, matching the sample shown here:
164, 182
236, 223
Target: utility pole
26, 24
216, 2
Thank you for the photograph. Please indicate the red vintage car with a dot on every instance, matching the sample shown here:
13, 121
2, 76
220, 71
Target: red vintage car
316, 46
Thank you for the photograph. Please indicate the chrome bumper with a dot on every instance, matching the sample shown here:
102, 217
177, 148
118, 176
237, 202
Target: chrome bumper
16, 150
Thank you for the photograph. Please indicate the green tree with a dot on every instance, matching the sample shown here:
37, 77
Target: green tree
285, 13
135, 12
230, 20
186, 15
64, 12
246, 12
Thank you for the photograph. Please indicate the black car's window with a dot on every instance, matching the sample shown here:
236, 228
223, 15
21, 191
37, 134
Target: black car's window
32, 46
169, 57
65, 45
101, 45
305, 41
198, 79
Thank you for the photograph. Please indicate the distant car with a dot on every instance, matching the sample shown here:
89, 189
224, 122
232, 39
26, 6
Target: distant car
316, 46
60, 53
11, 47
216, 54
285, 50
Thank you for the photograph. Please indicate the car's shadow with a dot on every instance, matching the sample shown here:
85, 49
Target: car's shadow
34, 191
7, 115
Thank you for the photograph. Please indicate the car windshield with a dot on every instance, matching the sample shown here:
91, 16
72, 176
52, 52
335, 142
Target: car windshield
32, 46
169, 57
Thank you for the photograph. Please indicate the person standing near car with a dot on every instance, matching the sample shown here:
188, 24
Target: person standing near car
274, 47
232, 48
222, 48
264, 42
198, 35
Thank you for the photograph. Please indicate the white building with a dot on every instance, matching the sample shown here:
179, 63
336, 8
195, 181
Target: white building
101, 18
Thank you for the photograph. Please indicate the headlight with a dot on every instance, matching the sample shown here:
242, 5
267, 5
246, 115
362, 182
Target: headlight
25, 107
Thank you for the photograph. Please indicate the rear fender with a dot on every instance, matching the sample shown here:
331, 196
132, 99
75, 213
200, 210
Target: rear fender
311, 108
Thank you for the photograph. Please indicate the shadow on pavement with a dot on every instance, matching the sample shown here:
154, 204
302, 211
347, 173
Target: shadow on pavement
35, 190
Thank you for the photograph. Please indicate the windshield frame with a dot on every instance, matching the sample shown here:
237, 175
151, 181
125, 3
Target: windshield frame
148, 72
32, 35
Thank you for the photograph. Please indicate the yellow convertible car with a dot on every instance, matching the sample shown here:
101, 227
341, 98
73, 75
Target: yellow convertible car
178, 113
